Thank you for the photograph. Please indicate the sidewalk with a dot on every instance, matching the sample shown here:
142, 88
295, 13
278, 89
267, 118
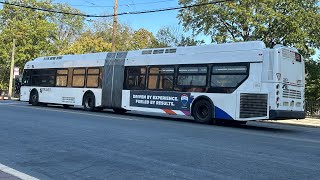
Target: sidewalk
308, 122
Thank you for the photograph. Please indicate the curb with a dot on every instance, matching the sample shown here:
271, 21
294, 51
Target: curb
3, 98
292, 124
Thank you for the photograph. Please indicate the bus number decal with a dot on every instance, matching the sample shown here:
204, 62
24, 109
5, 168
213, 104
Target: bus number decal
44, 89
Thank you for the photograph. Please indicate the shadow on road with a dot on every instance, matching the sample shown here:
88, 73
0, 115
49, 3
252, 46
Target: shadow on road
254, 126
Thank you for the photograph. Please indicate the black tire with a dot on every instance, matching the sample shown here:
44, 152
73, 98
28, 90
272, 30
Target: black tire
119, 110
34, 98
202, 111
89, 102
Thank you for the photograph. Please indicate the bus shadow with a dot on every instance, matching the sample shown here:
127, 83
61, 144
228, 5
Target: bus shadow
262, 127
251, 126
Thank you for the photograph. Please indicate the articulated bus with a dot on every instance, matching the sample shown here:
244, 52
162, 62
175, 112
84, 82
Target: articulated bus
234, 82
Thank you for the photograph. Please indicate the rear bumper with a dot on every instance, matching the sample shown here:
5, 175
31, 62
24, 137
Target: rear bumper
282, 114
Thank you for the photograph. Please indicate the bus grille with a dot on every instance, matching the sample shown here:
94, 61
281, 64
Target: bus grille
253, 105
290, 93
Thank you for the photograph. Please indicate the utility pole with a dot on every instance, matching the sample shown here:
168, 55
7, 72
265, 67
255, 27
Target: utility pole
114, 27
11, 68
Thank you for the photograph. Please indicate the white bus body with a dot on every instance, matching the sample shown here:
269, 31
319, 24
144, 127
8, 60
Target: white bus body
236, 81
63, 95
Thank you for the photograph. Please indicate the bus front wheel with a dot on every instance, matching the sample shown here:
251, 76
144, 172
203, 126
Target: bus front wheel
34, 98
202, 111
89, 102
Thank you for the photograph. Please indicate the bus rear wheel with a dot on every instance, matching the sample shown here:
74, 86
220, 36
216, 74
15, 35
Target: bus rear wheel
34, 98
202, 111
89, 102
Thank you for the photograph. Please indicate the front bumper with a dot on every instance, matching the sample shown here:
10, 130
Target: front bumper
283, 114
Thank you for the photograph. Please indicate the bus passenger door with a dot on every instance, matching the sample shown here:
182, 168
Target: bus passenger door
113, 80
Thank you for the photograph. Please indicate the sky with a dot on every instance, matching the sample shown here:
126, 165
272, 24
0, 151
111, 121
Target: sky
151, 21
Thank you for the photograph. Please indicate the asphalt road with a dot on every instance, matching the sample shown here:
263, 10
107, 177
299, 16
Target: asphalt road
55, 143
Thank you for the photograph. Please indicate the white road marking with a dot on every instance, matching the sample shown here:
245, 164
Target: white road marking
16, 173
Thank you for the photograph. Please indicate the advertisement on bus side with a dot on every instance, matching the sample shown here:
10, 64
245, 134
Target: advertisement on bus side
161, 100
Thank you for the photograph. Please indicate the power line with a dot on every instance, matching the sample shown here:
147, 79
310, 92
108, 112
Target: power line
129, 4
111, 15
93, 4
89, 2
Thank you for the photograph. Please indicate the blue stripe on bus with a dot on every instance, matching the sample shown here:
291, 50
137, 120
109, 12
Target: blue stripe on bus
221, 114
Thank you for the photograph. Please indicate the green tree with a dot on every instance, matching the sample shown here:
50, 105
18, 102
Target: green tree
142, 38
189, 41
167, 36
312, 80
33, 32
103, 28
126, 38
289, 22
37, 33
69, 27
4, 78
88, 42
170, 36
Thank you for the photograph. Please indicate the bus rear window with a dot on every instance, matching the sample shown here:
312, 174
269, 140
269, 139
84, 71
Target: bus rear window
291, 55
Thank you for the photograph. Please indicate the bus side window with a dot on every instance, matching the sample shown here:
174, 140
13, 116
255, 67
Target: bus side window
225, 78
192, 78
93, 77
62, 78
136, 78
78, 77
166, 82
161, 78
43, 77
